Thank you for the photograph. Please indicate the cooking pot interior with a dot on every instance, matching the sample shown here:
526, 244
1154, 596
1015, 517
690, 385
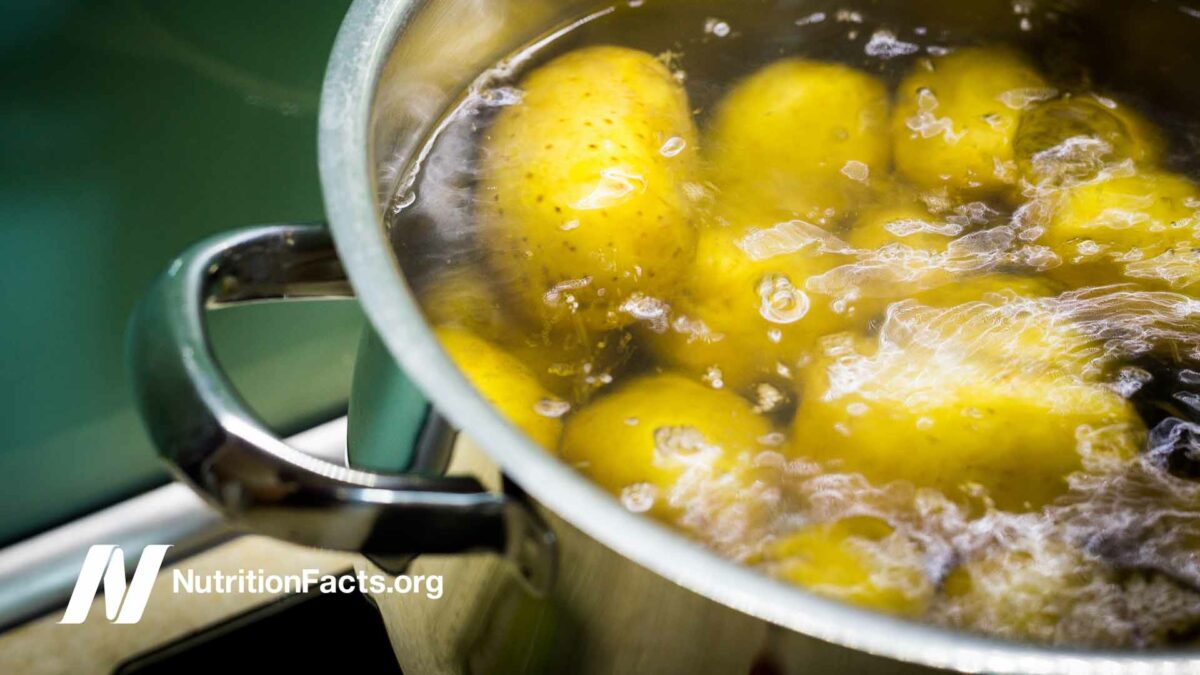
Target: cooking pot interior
1145, 52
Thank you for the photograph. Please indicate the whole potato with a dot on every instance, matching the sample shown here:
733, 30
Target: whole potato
803, 137
505, 382
582, 200
742, 315
1127, 228
857, 559
956, 116
655, 435
941, 419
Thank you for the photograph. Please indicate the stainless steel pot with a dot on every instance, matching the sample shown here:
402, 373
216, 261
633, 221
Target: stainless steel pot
601, 589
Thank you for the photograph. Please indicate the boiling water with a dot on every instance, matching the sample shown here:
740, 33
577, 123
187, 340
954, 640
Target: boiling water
1113, 562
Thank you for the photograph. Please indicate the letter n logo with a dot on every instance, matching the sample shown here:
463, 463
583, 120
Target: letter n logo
105, 564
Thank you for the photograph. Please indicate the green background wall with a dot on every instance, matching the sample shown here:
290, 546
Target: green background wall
129, 129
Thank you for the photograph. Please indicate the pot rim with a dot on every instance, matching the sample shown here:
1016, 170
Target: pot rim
364, 41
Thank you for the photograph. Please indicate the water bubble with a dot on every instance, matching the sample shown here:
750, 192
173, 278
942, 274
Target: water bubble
928, 125
1130, 380
781, 301
905, 227
684, 444
695, 330
639, 497
560, 293
651, 310
856, 170
614, 187
1189, 399
713, 377
773, 439
1024, 98
767, 398
815, 17
499, 97
673, 146
791, 236
551, 407
716, 27
885, 45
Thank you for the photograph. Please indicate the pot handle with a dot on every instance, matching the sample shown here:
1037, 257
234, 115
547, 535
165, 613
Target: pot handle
212, 441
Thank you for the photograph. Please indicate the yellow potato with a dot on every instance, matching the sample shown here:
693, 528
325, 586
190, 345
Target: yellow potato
1140, 228
985, 286
802, 136
462, 296
900, 249
571, 363
1015, 323
1006, 319
641, 439
738, 319
947, 419
904, 252
1074, 137
582, 197
903, 222
506, 383
955, 119
856, 559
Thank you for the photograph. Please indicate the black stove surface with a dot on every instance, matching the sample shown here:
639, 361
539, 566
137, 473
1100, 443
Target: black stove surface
297, 633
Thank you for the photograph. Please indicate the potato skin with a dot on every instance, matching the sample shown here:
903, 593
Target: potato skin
1138, 228
944, 420
786, 133
582, 200
570, 362
1072, 138
737, 319
504, 381
1006, 320
904, 252
899, 249
980, 287
903, 222
618, 438
463, 296
955, 119
836, 560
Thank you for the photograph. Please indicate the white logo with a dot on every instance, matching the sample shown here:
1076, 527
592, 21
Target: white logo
106, 563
